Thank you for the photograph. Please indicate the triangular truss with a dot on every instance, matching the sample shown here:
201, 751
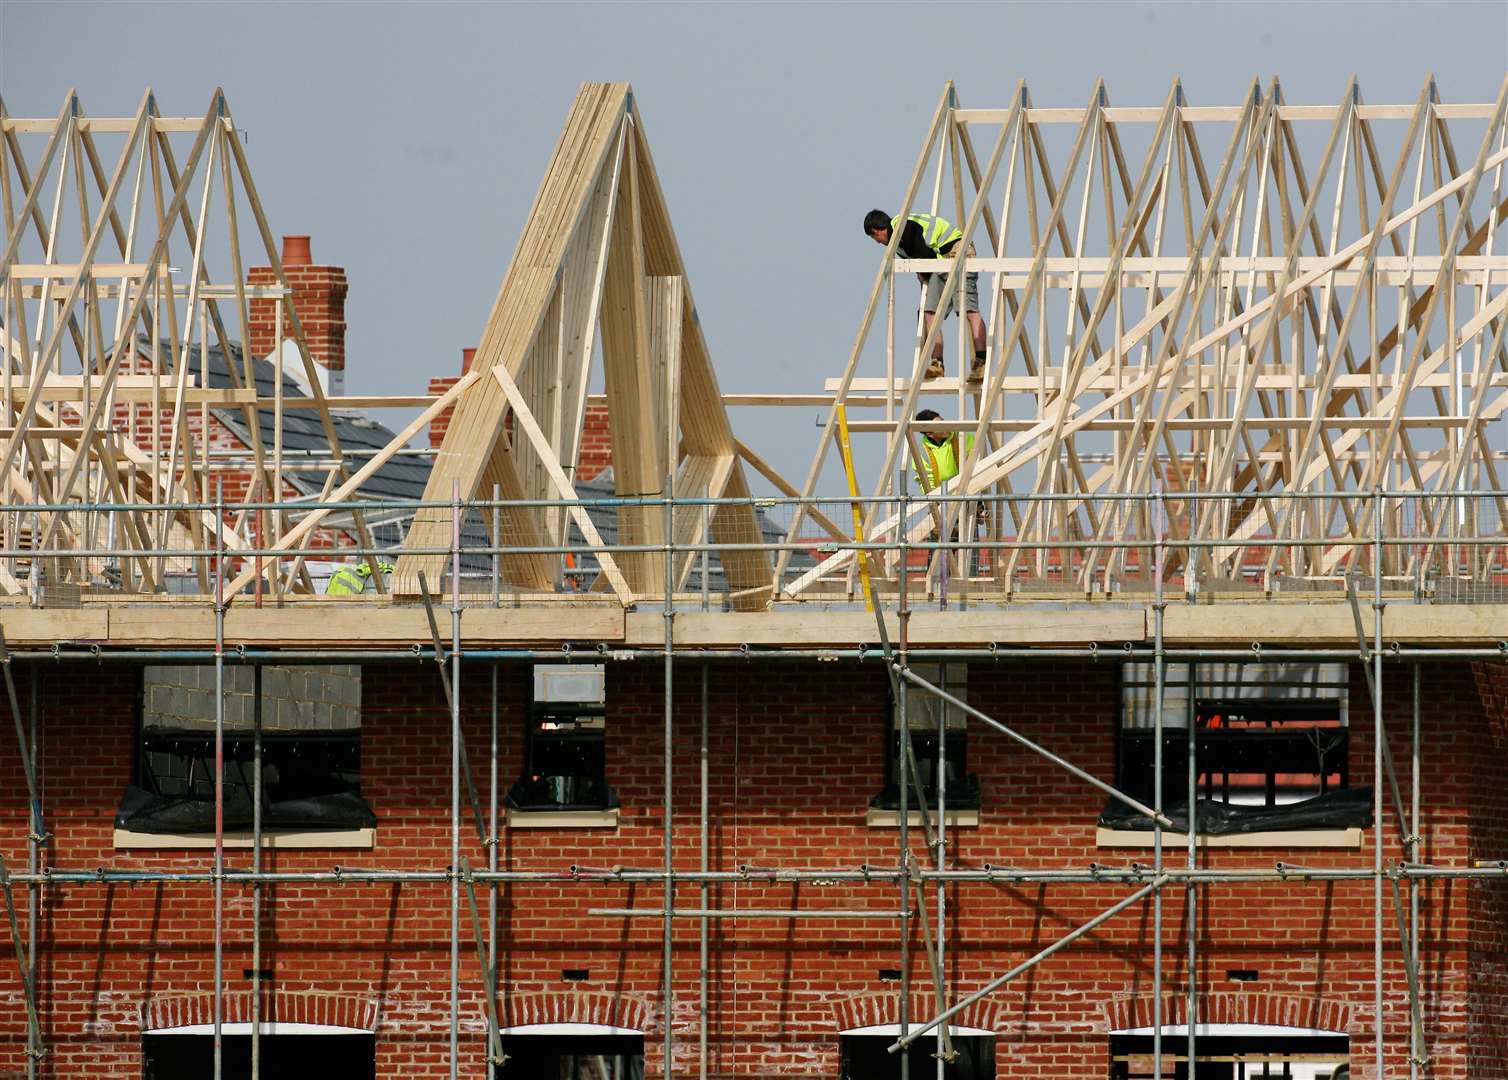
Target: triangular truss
597, 271
1309, 314
108, 310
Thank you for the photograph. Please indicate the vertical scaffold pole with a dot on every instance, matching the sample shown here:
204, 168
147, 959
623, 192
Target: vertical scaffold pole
703, 943
256, 868
34, 852
903, 1012
1377, 751
455, 781
667, 943
1191, 1005
1159, 676
1416, 1048
36, 835
492, 833
219, 885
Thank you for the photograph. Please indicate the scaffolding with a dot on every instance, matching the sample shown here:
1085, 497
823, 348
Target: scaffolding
1372, 509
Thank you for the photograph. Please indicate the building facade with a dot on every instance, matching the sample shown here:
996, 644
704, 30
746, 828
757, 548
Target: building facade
795, 754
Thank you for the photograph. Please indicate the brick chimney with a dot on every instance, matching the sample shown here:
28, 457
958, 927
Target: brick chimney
319, 296
596, 451
438, 385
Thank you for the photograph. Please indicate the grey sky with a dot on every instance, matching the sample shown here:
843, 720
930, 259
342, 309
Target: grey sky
408, 139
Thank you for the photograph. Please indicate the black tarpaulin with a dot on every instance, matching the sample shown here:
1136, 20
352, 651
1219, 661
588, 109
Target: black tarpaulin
142, 811
1350, 808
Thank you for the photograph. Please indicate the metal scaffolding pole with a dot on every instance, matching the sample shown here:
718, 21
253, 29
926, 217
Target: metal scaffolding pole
1416, 1048
1159, 679
1378, 737
256, 867
492, 831
219, 882
36, 835
994, 984
1132, 874
704, 890
34, 857
903, 618
1191, 891
667, 930
455, 784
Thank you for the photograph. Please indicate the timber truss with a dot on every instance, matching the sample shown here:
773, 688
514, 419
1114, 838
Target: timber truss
597, 267
109, 311
105, 399
1258, 315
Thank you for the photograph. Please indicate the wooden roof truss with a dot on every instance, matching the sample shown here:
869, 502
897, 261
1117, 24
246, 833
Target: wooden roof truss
597, 273
1254, 300
109, 432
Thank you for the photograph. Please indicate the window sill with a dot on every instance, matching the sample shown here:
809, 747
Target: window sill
345, 838
1298, 838
562, 819
890, 819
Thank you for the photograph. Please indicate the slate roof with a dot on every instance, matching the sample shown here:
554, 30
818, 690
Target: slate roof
402, 477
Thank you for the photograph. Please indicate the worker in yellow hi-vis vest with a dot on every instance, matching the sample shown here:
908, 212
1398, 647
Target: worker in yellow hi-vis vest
352, 580
940, 453
937, 456
927, 236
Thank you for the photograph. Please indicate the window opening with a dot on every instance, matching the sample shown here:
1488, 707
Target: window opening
572, 1052
1266, 735
300, 1054
865, 1055
311, 750
565, 741
926, 711
1233, 1052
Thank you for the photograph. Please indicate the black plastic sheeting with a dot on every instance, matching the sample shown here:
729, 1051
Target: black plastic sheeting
1350, 808
143, 811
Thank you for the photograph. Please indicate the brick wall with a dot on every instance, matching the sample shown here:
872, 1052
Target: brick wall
795, 754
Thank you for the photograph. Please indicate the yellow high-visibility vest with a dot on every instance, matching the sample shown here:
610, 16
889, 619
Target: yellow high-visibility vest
939, 463
348, 581
939, 232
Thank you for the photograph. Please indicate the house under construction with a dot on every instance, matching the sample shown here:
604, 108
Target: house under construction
561, 749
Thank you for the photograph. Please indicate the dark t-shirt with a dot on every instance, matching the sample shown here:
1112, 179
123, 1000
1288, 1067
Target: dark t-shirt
913, 245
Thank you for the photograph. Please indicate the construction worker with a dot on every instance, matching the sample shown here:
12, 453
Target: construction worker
927, 236
352, 580
941, 453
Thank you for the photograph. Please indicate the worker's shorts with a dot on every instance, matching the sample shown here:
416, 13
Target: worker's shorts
932, 285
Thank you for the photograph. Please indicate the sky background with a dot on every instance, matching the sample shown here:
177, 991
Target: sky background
408, 139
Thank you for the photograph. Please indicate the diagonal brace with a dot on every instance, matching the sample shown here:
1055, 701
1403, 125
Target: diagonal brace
28, 976
1114, 793
440, 657
38, 828
1411, 970
1064, 941
489, 985
1404, 832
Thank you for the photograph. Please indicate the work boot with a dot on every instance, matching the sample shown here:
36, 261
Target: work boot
976, 372
935, 369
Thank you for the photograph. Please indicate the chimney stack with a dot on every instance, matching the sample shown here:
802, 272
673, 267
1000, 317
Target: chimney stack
319, 297
438, 385
594, 454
